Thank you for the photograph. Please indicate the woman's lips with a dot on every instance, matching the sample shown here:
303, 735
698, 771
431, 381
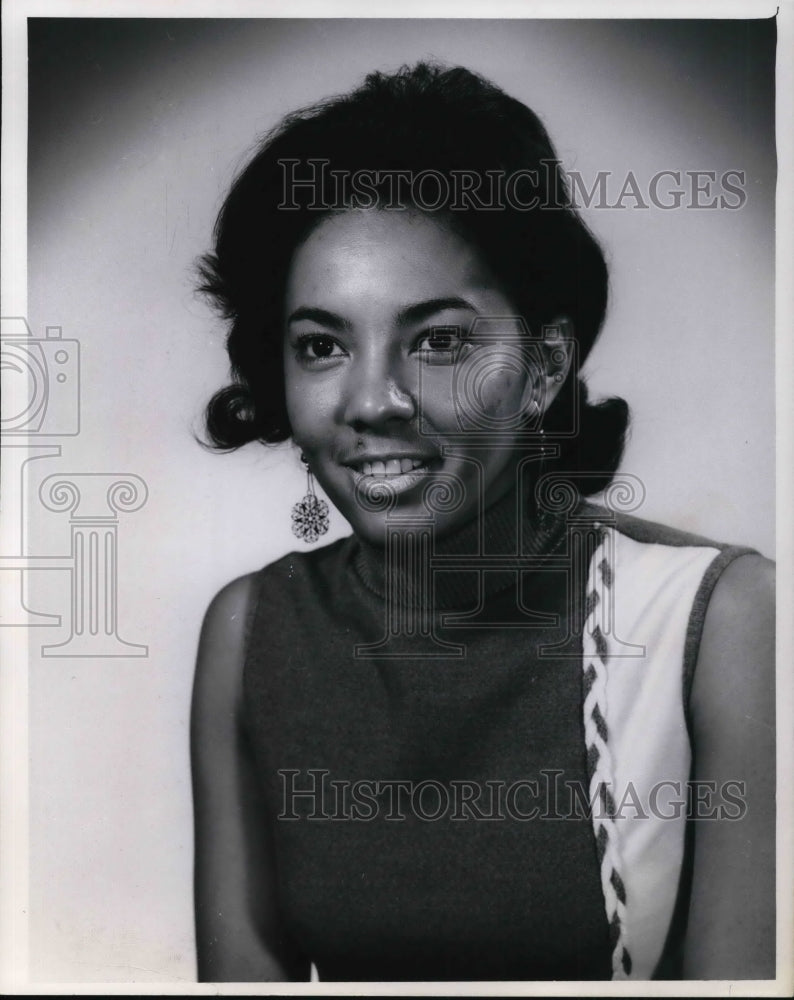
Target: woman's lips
392, 475
390, 466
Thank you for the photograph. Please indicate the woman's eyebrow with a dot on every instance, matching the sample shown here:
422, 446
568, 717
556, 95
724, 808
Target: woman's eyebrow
323, 316
410, 314
423, 310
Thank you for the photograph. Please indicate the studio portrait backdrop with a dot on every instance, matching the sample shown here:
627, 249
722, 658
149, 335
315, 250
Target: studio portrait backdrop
136, 130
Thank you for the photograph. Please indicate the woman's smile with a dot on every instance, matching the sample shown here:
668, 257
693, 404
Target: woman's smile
387, 477
381, 307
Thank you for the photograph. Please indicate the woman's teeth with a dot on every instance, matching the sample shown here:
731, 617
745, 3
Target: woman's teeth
392, 467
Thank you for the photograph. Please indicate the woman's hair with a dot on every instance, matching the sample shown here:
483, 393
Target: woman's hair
445, 141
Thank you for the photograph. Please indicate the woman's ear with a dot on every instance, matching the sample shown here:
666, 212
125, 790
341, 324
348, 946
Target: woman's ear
553, 355
557, 351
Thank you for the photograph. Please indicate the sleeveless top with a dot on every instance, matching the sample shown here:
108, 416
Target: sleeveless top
475, 756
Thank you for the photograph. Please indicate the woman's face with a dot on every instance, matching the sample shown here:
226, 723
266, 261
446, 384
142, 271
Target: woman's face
375, 394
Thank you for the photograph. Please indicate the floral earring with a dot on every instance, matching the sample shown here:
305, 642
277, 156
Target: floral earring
309, 515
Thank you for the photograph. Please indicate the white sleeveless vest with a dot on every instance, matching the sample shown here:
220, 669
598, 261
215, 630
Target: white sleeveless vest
647, 592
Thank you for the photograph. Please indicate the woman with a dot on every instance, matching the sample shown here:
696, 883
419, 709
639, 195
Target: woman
459, 744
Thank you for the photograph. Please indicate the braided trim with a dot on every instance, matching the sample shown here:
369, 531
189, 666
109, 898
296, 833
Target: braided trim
600, 773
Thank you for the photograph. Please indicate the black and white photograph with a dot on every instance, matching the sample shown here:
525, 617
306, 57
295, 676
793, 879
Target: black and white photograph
396, 489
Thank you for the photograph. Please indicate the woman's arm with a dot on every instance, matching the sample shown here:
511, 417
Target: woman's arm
731, 929
237, 932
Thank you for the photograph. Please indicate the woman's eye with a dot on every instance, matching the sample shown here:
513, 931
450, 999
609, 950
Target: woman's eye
318, 347
441, 342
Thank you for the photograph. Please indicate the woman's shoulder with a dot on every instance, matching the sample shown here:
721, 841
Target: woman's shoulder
653, 532
732, 716
729, 575
721, 594
221, 649
229, 614
749, 577
738, 642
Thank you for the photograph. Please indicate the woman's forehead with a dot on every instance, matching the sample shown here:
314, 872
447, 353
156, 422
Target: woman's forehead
385, 254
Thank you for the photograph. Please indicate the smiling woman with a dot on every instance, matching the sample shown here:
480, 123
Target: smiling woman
471, 741
373, 298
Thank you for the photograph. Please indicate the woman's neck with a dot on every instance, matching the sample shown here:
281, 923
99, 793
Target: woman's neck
413, 555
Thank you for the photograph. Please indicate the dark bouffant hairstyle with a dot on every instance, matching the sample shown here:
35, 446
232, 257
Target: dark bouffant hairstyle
421, 118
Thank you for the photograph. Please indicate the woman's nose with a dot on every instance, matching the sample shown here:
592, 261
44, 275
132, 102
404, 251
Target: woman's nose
374, 396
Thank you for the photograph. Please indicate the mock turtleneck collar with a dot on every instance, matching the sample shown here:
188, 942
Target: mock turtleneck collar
497, 532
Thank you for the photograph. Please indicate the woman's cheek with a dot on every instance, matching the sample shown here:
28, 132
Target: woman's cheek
437, 394
503, 395
310, 406
495, 395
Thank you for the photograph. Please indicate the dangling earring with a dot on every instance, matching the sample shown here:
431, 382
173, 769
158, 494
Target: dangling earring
309, 515
543, 453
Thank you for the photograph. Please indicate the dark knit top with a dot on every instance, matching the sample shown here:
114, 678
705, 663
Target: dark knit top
434, 841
